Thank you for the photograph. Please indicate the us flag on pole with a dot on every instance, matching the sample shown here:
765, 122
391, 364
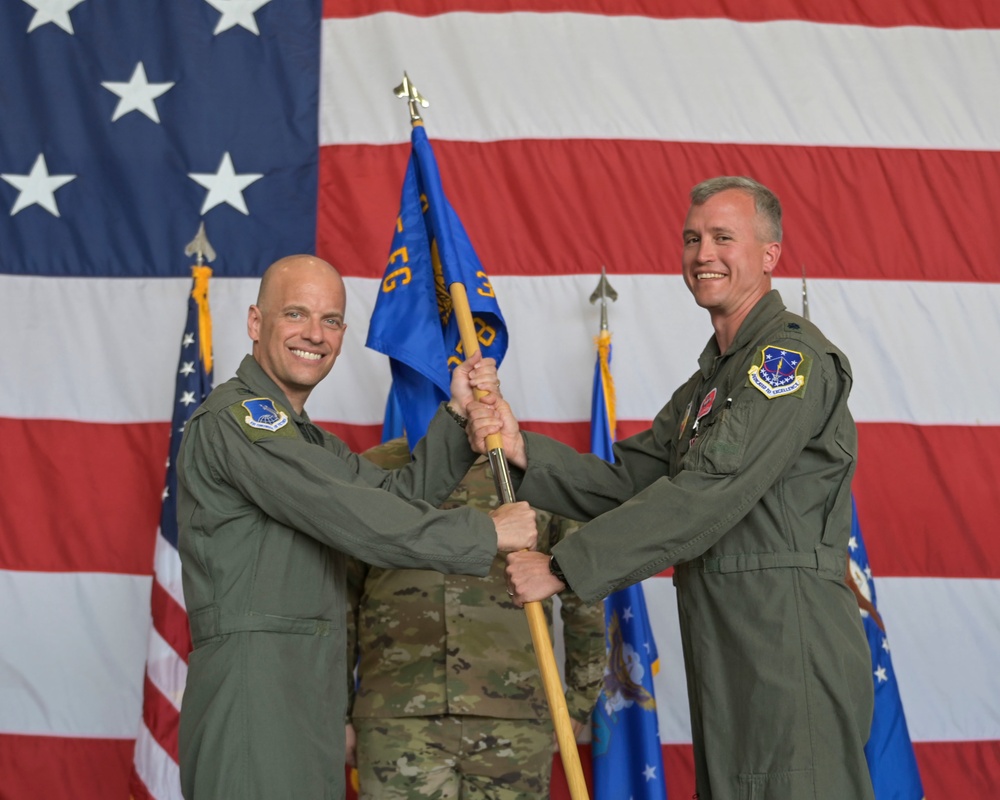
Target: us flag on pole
155, 770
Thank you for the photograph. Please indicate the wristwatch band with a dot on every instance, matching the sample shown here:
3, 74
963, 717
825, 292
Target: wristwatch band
463, 421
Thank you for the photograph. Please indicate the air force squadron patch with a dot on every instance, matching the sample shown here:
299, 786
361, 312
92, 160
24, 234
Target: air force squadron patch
260, 418
780, 372
263, 415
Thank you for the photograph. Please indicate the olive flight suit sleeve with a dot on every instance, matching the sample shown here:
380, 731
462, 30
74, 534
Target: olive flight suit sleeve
438, 462
584, 486
385, 518
718, 479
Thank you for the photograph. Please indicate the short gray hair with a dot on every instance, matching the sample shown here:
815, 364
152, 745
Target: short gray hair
766, 203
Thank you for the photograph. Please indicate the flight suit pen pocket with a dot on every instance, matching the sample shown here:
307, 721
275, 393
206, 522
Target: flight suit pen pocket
723, 446
795, 784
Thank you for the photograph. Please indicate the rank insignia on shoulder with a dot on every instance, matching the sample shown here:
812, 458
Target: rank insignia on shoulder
263, 414
780, 372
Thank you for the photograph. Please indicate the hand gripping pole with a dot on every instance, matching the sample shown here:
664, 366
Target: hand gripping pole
536, 615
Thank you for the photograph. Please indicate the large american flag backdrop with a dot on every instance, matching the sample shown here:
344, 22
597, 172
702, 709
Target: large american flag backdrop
568, 133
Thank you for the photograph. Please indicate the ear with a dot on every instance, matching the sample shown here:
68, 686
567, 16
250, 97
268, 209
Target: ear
253, 323
772, 252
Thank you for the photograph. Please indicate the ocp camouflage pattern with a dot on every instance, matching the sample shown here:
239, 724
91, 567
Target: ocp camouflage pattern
453, 644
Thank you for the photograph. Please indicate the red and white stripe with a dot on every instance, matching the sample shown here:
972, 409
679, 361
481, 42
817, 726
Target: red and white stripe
567, 135
156, 770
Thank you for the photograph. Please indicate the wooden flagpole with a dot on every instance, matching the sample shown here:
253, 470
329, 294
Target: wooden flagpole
537, 623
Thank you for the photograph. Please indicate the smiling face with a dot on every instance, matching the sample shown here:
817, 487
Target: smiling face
727, 259
297, 325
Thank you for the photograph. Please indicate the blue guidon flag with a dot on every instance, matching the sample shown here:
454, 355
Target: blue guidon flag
778, 373
413, 321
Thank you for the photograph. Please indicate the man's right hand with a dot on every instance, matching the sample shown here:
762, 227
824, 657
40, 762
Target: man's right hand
530, 578
492, 414
516, 529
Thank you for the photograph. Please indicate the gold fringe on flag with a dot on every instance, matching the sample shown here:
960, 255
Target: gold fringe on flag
603, 342
200, 294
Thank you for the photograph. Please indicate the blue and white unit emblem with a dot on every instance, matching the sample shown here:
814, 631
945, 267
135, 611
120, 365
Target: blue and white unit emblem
263, 415
777, 374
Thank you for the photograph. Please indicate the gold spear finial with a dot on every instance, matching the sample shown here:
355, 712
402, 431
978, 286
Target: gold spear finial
200, 247
603, 293
414, 98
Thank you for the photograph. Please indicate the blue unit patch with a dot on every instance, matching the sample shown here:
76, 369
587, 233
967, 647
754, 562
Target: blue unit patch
263, 415
778, 372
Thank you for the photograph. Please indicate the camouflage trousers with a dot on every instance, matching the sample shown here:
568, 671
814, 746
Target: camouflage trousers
454, 758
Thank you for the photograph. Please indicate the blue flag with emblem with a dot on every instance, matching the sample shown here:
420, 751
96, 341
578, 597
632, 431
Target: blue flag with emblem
626, 753
891, 760
413, 322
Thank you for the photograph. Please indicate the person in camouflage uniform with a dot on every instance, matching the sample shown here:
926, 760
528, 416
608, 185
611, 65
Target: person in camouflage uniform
449, 700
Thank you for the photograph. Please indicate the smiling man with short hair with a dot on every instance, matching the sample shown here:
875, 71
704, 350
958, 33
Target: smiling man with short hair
268, 506
743, 485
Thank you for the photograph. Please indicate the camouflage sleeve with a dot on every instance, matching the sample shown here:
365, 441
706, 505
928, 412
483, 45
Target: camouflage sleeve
583, 638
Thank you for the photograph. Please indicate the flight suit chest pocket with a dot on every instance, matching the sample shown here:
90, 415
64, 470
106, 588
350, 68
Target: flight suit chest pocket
720, 447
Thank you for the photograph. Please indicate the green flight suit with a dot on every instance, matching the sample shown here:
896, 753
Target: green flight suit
268, 504
748, 493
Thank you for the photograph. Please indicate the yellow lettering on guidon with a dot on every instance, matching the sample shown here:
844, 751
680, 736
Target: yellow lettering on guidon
486, 290
402, 254
484, 333
454, 360
389, 281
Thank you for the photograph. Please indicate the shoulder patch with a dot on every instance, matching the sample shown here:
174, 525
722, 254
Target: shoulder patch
260, 417
781, 372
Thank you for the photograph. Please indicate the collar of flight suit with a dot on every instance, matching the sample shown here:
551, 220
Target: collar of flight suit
762, 313
253, 375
